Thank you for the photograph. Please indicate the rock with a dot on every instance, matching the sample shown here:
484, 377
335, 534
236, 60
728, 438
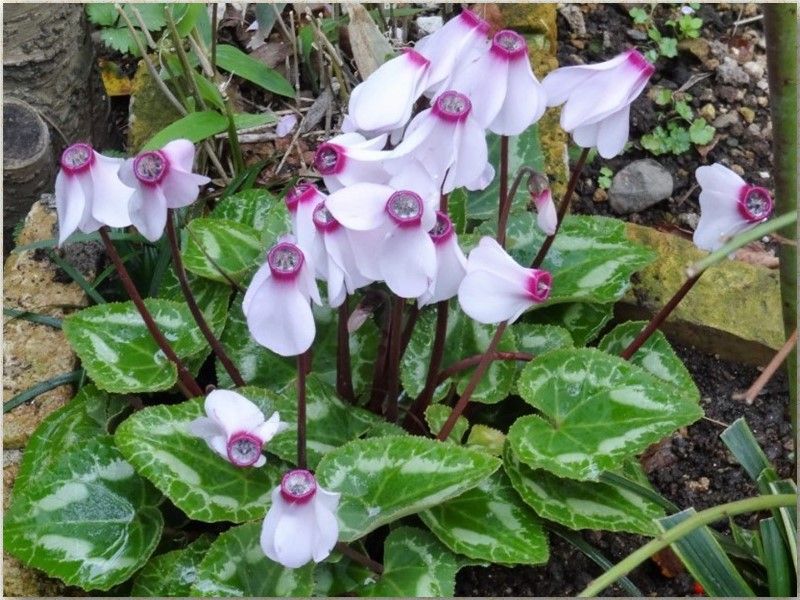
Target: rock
726, 120
731, 73
754, 69
574, 17
690, 220
699, 47
748, 114
732, 142
727, 93
708, 112
600, 195
639, 185
428, 25
150, 112
734, 310
762, 84
762, 101
738, 169
636, 34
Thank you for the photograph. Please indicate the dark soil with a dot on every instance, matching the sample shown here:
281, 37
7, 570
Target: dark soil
692, 468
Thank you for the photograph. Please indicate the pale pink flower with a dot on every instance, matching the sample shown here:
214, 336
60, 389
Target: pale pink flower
277, 304
88, 192
301, 201
350, 158
301, 523
597, 99
161, 179
385, 100
546, 217
506, 96
451, 265
452, 46
448, 142
728, 206
235, 428
496, 288
286, 124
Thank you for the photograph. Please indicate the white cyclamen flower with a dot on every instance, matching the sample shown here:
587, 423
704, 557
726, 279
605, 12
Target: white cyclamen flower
235, 428
400, 221
277, 304
451, 265
452, 46
597, 99
301, 524
162, 179
506, 96
448, 142
496, 288
546, 216
385, 100
728, 206
88, 192
351, 158
301, 201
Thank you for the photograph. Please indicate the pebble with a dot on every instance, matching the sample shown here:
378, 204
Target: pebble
689, 219
574, 17
429, 24
738, 169
748, 114
635, 34
731, 73
600, 195
762, 101
727, 93
733, 142
762, 84
708, 112
639, 185
754, 69
701, 485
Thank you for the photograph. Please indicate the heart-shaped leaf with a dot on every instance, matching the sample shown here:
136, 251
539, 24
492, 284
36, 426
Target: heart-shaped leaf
172, 573
383, 479
90, 520
584, 320
235, 565
490, 522
415, 565
581, 504
220, 250
258, 209
597, 410
116, 348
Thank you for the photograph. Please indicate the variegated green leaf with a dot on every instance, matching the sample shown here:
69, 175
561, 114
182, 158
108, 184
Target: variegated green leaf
655, 355
202, 484
87, 415
465, 338
259, 209
490, 522
172, 573
596, 409
116, 348
537, 339
415, 565
89, 520
383, 479
219, 249
584, 320
580, 504
436, 415
341, 576
235, 565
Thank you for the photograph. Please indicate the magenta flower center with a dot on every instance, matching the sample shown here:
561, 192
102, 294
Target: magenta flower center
77, 158
443, 230
509, 44
452, 106
150, 167
244, 449
405, 208
755, 203
285, 260
300, 193
329, 159
539, 285
323, 219
298, 486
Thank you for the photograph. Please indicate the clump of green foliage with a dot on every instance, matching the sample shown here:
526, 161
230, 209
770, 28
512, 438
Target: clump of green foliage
681, 129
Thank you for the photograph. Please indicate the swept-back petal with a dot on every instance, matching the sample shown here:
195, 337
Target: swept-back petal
148, 211
294, 535
360, 206
559, 84
111, 196
489, 298
279, 318
718, 178
524, 103
182, 188
719, 217
326, 533
262, 274
180, 153
612, 133
408, 261
233, 412
70, 204
451, 267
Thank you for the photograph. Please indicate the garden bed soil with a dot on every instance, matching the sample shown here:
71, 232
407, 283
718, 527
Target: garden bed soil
692, 468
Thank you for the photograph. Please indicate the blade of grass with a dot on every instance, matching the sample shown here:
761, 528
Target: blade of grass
160, 268
788, 514
776, 559
743, 445
76, 276
33, 317
41, 388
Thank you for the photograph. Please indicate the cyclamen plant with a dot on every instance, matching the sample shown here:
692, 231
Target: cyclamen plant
312, 449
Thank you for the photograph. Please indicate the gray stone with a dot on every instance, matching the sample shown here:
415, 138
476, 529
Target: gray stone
639, 185
755, 69
726, 120
731, 73
574, 17
636, 34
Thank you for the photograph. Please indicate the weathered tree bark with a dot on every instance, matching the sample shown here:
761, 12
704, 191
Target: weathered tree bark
48, 61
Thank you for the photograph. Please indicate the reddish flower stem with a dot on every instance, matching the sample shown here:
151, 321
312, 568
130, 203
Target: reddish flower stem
505, 209
473, 382
361, 559
393, 363
378, 392
301, 410
344, 375
471, 361
187, 383
755, 389
502, 201
437, 353
659, 318
197, 313
408, 330
562, 208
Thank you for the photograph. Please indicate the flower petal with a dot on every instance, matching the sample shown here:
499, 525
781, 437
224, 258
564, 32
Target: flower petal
408, 261
270, 523
489, 298
279, 317
258, 280
233, 412
182, 188
586, 136
612, 133
294, 535
126, 174
270, 428
180, 153
148, 211
546, 216
470, 157
719, 219
484, 81
490, 256
111, 196
204, 427
719, 178
360, 207
451, 267
365, 244
327, 531
70, 204
559, 84
525, 100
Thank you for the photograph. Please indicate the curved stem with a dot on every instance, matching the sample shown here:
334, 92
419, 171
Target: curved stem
659, 318
755, 389
360, 558
472, 383
437, 353
344, 375
378, 392
562, 208
672, 535
503, 200
471, 361
505, 210
302, 365
393, 370
188, 385
197, 313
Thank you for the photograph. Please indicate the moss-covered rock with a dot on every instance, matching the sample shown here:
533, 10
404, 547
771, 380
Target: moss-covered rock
150, 111
733, 310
